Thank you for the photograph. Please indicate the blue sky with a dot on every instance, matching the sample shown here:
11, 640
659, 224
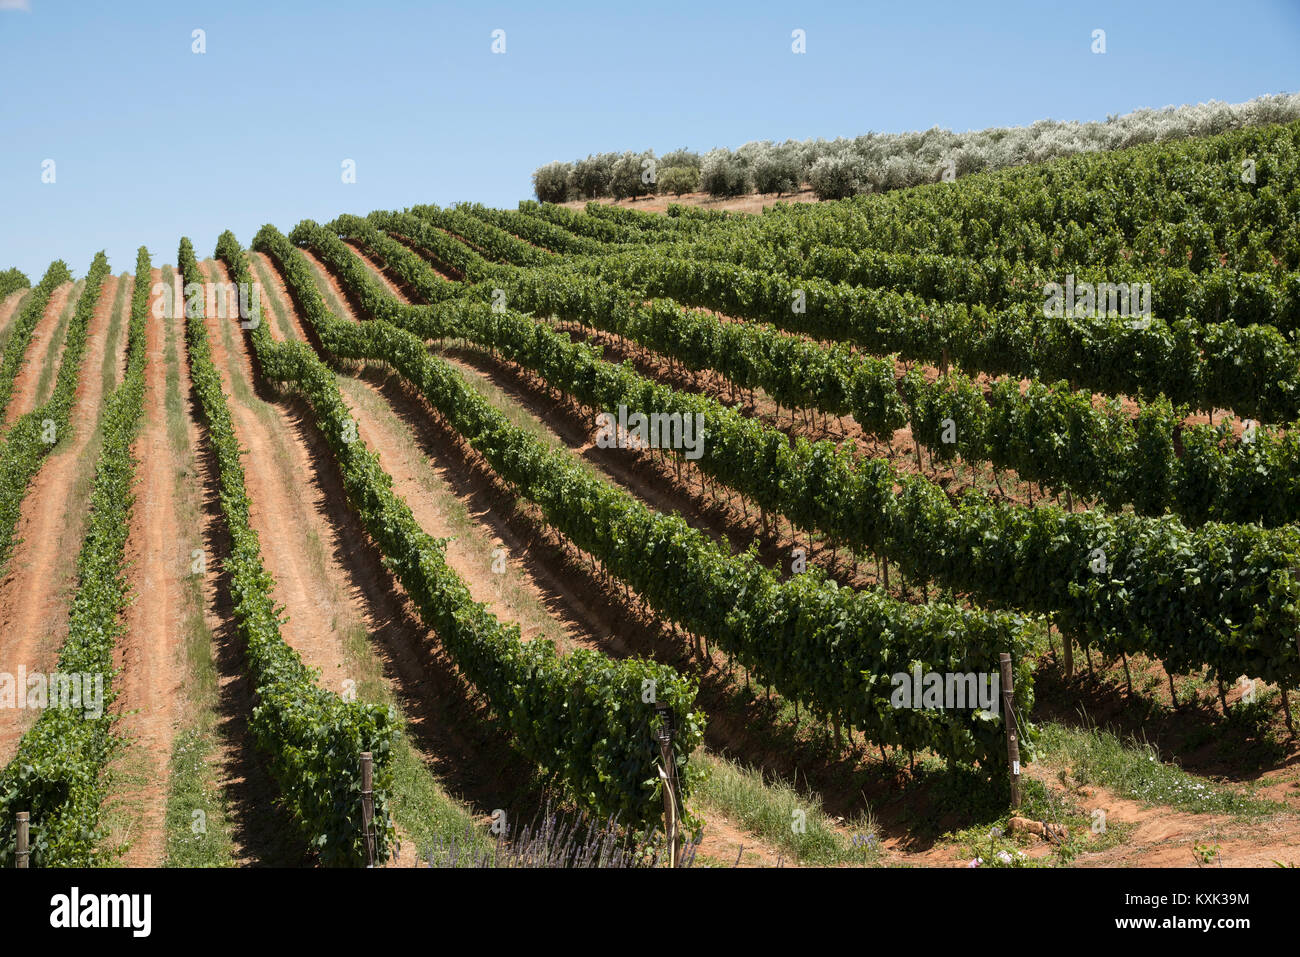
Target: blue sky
152, 141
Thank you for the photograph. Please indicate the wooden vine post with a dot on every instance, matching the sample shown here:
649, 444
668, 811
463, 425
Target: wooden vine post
1286, 705
668, 775
368, 805
21, 853
1009, 717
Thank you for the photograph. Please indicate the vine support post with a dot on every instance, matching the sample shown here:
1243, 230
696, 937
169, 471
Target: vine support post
368, 805
668, 775
21, 854
1286, 705
1009, 718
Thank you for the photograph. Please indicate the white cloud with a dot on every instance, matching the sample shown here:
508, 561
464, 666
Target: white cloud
24, 5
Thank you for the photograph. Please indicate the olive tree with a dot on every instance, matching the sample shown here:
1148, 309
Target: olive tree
551, 182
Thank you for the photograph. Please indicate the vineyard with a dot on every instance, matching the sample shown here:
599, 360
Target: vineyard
917, 527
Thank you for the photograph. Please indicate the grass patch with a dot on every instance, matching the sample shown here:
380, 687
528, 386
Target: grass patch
782, 816
111, 367
1134, 769
278, 312
992, 843
54, 348
192, 840
198, 833
7, 330
332, 301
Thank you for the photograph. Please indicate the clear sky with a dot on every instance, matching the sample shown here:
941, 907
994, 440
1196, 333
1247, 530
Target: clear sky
152, 141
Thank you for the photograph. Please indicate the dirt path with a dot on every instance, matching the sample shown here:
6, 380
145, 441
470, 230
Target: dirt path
260, 831
423, 482
1162, 836
749, 203
41, 576
540, 583
9, 310
27, 382
376, 271
451, 729
726, 843
288, 508
148, 658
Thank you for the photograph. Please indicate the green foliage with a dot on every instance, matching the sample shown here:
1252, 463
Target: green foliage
12, 280
55, 774
311, 737
1250, 369
679, 180
538, 232
551, 182
591, 176
1048, 434
581, 716
26, 442
723, 174
23, 324
627, 176
838, 177
776, 172
494, 242
892, 161
681, 157
808, 638
1219, 595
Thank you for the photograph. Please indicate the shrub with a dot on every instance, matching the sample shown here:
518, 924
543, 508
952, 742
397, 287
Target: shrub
682, 157
838, 176
723, 174
679, 179
776, 171
591, 176
626, 176
551, 182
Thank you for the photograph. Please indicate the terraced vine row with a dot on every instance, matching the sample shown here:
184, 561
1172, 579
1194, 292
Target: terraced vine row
831, 648
1254, 370
56, 773
21, 330
1181, 204
1220, 595
311, 737
584, 717
1048, 434
33, 436
1221, 295
11, 280
539, 232
1238, 363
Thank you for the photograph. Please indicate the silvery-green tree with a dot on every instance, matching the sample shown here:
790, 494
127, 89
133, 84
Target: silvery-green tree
551, 182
